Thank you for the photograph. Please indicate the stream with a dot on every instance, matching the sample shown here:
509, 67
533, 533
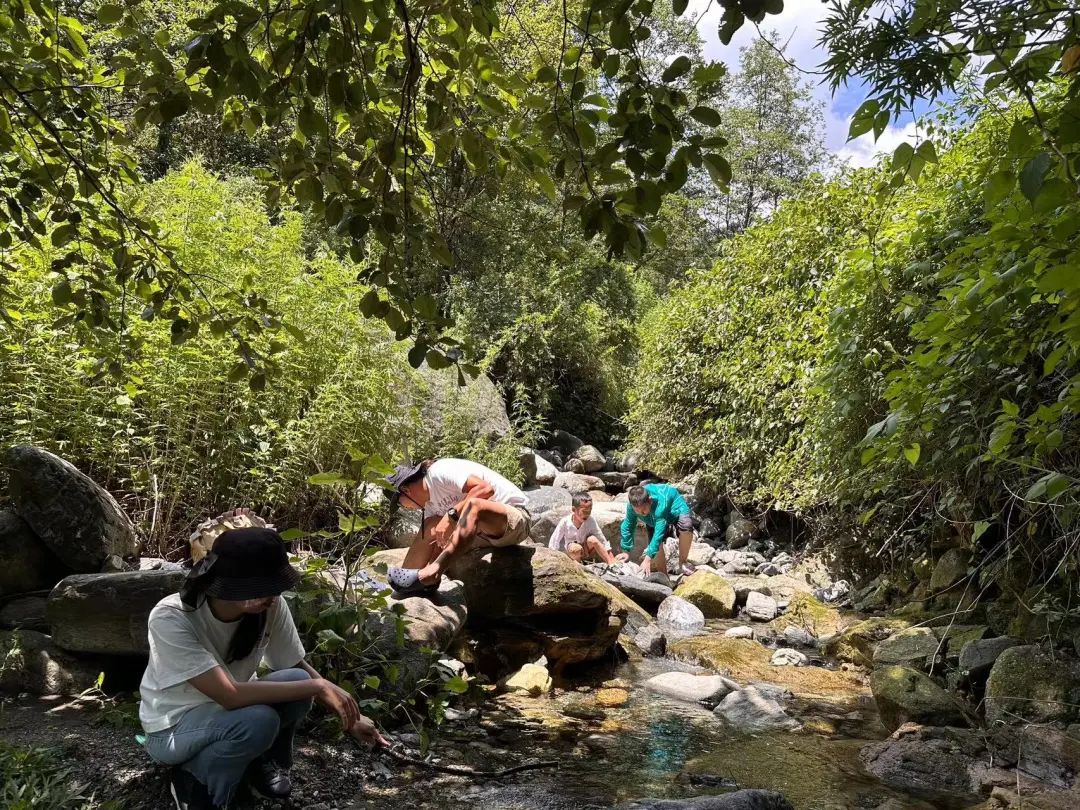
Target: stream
650, 747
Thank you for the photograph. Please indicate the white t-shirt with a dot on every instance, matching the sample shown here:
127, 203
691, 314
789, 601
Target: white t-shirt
446, 480
185, 643
566, 532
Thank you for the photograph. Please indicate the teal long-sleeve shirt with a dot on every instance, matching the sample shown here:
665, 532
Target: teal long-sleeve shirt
668, 505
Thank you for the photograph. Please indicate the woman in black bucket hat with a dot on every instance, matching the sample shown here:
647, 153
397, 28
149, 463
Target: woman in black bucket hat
204, 711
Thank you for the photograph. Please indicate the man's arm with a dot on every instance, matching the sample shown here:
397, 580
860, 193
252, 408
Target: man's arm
476, 488
659, 532
626, 531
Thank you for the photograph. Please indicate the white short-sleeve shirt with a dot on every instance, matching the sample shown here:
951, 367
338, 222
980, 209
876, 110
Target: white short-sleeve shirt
185, 643
566, 533
446, 479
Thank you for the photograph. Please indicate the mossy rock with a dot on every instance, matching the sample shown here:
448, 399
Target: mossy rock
855, 644
747, 661
905, 695
710, 593
812, 615
1031, 684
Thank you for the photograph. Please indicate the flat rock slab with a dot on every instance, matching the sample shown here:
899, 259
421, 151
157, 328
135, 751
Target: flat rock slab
752, 711
739, 800
647, 594
707, 689
107, 613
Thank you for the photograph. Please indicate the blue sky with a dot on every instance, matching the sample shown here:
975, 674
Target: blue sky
799, 25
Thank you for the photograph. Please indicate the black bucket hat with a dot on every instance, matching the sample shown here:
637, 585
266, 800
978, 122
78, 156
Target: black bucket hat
250, 563
405, 474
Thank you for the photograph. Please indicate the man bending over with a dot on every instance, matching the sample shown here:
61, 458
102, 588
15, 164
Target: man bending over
578, 536
662, 508
465, 505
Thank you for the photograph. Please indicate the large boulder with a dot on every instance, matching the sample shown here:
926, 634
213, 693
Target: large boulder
591, 459
650, 595
565, 443
629, 462
806, 612
440, 398
107, 613
759, 607
544, 594
527, 462
905, 695
752, 711
950, 569
27, 612
1048, 754
1032, 684
26, 564
710, 593
651, 641
679, 616
916, 647
78, 520
942, 761
617, 480
979, 655
856, 644
532, 679
739, 532
707, 689
403, 528
30, 662
545, 472
577, 484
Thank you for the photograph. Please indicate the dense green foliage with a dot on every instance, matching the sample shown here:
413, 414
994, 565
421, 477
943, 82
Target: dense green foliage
910, 356
35, 779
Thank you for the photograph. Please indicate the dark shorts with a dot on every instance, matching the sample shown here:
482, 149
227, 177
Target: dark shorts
684, 523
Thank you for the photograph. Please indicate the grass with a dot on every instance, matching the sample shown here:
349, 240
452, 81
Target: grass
38, 779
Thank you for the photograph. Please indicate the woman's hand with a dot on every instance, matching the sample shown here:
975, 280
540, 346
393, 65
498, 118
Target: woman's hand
623, 557
365, 731
646, 564
337, 700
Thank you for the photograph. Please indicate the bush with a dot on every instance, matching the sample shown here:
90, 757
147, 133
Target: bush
36, 779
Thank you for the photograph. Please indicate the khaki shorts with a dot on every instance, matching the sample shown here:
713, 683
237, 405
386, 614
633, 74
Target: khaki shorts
518, 526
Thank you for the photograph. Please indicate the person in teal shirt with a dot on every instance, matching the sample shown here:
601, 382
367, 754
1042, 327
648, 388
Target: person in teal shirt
663, 509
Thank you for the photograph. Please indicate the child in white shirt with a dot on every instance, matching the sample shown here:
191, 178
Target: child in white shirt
578, 536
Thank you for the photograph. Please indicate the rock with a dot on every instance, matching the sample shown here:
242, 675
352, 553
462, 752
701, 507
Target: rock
575, 483
432, 621
650, 640
546, 472
709, 528
25, 612
678, 614
927, 759
710, 593
739, 532
78, 520
747, 661
531, 679
565, 443
612, 698
545, 596
618, 480
157, 564
1048, 754
752, 712
759, 607
737, 800
955, 636
1029, 683
811, 615
743, 631
768, 569
574, 465
599, 496
26, 563
403, 528
700, 554
647, 594
905, 695
527, 462
32, 663
950, 569
786, 657
979, 655
915, 647
107, 613
441, 400
797, 637
591, 458
547, 506
856, 644
707, 689
629, 462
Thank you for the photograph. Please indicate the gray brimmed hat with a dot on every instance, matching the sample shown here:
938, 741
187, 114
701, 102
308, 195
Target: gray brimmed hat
405, 474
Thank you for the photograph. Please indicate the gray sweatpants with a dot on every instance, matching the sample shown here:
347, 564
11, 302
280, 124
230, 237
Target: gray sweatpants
217, 746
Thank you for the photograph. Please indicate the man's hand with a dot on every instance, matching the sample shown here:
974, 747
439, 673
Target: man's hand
623, 557
429, 574
337, 700
444, 529
365, 731
646, 564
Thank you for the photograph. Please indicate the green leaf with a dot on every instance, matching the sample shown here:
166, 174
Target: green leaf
679, 6
108, 13
456, 685
1052, 360
291, 534
417, 354
730, 23
912, 454
326, 479
1010, 408
719, 169
707, 116
980, 529
174, 105
863, 119
1033, 174
680, 67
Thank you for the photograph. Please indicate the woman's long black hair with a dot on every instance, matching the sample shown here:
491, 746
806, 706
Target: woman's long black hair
193, 594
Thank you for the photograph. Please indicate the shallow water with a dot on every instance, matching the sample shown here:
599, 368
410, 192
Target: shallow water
652, 747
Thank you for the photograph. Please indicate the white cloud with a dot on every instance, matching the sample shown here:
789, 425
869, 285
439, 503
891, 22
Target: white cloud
799, 27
